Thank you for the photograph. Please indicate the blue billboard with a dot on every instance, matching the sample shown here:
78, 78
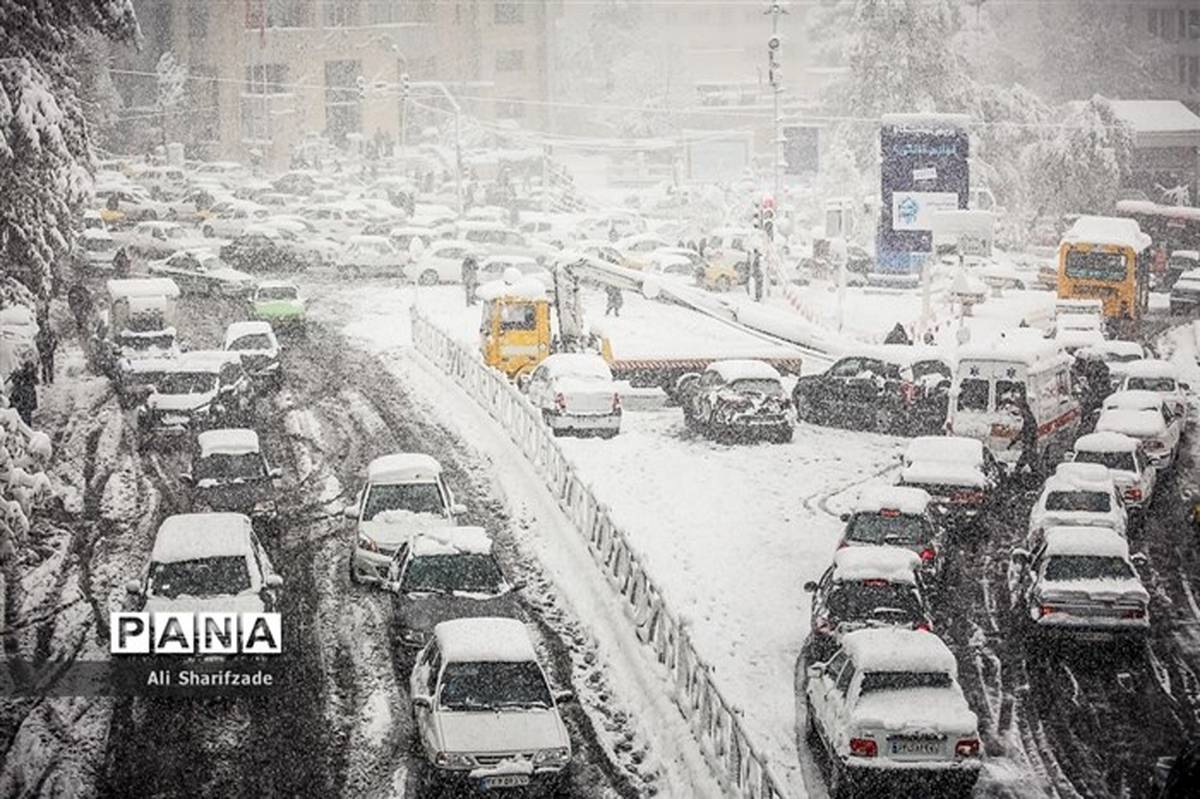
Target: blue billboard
923, 169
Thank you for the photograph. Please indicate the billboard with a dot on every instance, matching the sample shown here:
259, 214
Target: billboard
923, 170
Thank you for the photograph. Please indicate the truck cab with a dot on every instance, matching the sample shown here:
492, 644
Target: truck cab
514, 328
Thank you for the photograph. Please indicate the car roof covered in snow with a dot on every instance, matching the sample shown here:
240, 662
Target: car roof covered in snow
953, 473
744, 369
403, 467
527, 288
899, 650
1192, 255
451, 541
142, 287
227, 441
879, 497
1140, 424
194, 536
1111, 347
1073, 540
1016, 346
894, 564
374, 241
563, 364
1079, 477
1113, 230
249, 328
506, 259
1106, 441
97, 233
484, 639
954, 449
1151, 367
1135, 399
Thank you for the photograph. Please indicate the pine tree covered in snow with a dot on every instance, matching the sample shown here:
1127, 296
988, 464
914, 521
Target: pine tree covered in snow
45, 141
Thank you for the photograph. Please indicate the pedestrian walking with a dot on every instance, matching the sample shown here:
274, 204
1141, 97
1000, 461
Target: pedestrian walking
121, 263
897, 336
79, 300
615, 300
22, 392
470, 277
756, 274
47, 342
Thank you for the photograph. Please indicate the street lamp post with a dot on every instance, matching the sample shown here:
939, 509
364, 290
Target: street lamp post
775, 78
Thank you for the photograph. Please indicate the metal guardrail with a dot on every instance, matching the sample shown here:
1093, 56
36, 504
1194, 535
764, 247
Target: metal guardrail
739, 766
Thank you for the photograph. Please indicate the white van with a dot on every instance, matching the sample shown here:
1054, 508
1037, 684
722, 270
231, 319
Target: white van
1014, 365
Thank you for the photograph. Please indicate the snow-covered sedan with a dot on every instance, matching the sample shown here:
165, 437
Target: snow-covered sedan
255, 341
230, 473
1081, 495
1144, 415
494, 267
958, 473
1116, 354
202, 272
1161, 377
485, 715
576, 394
888, 706
440, 262
209, 562
895, 516
198, 390
374, 255
1126, 461
155, 239
1081, 582
738, 398
279, 303
97, 248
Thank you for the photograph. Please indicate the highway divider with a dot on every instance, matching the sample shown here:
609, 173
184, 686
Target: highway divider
738, 764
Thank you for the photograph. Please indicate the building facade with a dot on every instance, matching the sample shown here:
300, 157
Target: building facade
1176, 25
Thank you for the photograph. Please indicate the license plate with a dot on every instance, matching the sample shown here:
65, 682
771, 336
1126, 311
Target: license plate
916, 747
505, 781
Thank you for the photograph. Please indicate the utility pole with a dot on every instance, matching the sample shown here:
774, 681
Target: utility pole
775, 79
458, 170
404, 85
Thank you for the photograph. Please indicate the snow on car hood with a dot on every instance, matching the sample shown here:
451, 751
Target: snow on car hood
1111, 590
390, 528
180, 402
940, 710
522, 729
425, 611
1079, 518
245, 602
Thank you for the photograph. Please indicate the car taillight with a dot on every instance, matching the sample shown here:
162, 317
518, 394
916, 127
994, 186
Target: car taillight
889, 513
928, 554
616, 405
875, 583
1046, 610
1133, 494
924, 627
1155, 445
967, 747
863, 747
1133, 613
560, 401
967, 497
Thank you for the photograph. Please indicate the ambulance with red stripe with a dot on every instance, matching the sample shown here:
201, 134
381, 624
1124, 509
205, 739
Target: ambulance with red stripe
1016, 364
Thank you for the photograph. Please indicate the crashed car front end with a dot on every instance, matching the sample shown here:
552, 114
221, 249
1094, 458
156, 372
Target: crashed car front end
751, 413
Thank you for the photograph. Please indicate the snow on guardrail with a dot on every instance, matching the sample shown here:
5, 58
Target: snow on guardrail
737, 763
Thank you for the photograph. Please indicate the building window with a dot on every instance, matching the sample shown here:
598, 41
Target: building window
339, 13
1193, 28
509, 12
343, 106
286, 14
510, 60
1194, 65
266, 79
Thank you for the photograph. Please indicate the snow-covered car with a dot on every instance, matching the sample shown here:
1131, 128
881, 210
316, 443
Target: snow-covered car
198, 390
91, 220
1079, 495
266, 248
402, 239
210, 562
485, 714
737, 398
229, 473
138, 358
638, 250
1116, 354
201, 272
97, 248
229, 218
877, 586
157, 239
440, 262
959, 474
888, 706
279, 303
1081, 582
404, 495
369, 255
127, 204
493, 267
255, 341
445, 574
1146, 416
1126, 461
1185, 293
677, 262
1073, 331
494, 238
731, 247
895, 516
576, 393
1161, 377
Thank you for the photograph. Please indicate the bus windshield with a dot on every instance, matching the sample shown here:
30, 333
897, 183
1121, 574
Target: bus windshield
1096, 265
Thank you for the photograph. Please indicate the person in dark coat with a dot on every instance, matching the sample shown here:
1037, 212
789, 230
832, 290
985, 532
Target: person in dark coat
79, 300
756, 274
1028, 436
615, 301
121, 262
470, 277
47, 342
897, 336
22, 393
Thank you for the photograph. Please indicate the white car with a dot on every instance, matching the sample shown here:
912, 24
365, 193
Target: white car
1126, 461
1145, 415
255, 341
440, 262
576, 393
888, 704
730, 247
1116, 354
230, 217
676, 262
1079, 494
402, 239
159, 239
484, 711
494, 238
202, 272
207, 562
196, 390
404, 495
1161, 377
959, 474
494, 266
1073, 331
638, 250
97, 248
1081, 582
369, 254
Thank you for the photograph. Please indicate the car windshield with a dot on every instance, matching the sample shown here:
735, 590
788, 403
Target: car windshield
200, 577
488, 685
254, 341
1121, 461
973, 395
223, 466
1087, 567
187, 383
877, 600
277, 293
885, 528
470, 573
770, 388
98, 244
145, 343
1122, 357
1151, 383
412, 497
874, 681
1086, 501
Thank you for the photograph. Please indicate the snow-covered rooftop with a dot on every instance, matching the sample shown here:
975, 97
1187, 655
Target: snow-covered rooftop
899, 650
452, 541
1159, 123
403, 467
484, 639
1106, 441
1013, 346
229, 441
1111, 347
194, 536
142, 287
579, 364
204, 360
894, 564
875, 498
943, 473
1113, 230
238, 329
744, 369
1151, 367
1142, 424
1100, 541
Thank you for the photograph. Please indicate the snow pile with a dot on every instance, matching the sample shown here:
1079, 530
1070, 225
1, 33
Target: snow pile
24, 486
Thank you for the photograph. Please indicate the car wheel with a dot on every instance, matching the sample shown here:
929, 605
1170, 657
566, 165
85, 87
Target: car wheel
428, 278
608, 434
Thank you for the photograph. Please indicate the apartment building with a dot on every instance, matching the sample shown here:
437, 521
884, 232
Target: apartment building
1177, 26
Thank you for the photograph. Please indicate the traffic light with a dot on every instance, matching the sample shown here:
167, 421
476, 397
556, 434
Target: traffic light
404, 86
361, 83
768, 221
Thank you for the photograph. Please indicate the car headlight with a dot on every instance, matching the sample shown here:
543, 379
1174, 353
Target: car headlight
453, 760
559, 756
367, 543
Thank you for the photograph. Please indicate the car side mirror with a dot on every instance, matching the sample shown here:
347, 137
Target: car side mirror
273, 581
186, 478
810, 586
458, 509
1140, 559
564, 696
423, 702
350, 512
845, 517
133, 587
275, 473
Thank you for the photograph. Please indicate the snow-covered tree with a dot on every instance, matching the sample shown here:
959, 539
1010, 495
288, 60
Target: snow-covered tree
171, 77
44, 137
98, 94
